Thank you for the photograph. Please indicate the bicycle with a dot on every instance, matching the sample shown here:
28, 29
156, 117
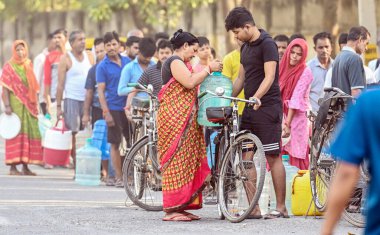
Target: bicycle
141, 169
322, 165
238, 173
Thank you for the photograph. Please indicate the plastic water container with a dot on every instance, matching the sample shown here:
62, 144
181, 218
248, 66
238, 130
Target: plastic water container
301, 195
216, 79
87, 171
265, 198
291, 171
211, 150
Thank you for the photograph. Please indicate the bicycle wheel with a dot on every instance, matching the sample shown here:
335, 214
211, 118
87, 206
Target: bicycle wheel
142, 179
242, 176
356, 210
321, 171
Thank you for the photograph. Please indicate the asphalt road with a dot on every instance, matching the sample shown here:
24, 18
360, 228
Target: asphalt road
52, 203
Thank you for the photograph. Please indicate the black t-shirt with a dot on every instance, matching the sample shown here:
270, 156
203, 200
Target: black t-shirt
253, 56
165, 71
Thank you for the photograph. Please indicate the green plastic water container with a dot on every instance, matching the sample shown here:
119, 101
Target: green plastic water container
216, 79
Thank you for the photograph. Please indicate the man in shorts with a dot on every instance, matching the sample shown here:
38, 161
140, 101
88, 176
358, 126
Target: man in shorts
72, 73
259, 77
107, 77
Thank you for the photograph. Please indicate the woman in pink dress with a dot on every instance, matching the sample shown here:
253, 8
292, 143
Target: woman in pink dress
295, 81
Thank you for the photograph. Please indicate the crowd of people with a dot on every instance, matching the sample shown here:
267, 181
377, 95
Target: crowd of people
84, 86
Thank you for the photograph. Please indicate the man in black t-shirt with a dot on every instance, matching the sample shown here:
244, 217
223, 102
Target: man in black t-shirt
259, 77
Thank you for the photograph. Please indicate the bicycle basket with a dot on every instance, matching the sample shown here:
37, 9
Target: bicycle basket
218, 114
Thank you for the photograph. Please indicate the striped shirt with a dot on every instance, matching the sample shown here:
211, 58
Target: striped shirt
152, 75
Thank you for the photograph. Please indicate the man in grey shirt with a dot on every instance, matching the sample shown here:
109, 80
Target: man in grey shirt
348, 71
319, 66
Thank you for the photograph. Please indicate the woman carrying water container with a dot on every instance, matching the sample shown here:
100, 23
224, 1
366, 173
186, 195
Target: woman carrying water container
20, 90
181, 144
295, 81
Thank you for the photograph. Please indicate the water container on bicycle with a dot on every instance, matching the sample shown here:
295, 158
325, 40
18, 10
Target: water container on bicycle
301, 195
216, 79
87, 169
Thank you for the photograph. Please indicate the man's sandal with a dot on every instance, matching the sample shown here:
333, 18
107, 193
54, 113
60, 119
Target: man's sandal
275, 215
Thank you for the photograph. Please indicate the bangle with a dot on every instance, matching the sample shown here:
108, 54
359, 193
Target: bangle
205, 69
105, 112
287, 124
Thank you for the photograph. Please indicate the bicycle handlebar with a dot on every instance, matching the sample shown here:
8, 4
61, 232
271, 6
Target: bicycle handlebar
148, 89
250, 101
336, 89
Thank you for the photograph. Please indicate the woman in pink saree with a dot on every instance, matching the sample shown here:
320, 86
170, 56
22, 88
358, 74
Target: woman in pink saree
181, 144
295, 81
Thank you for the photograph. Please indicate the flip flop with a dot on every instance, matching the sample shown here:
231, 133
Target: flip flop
254, 217
191, 216
15, 173
177, 217
275, 215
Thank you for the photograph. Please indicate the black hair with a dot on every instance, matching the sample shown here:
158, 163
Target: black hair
131, 40
321, 35
180, 38
62, 31
203, 41
147, 47
213, 52
356, 33
50, 36
343, 38
281, 38
237, 18
164, 44
122, 44
109, 36
73, 35
98, 41
161, 35
296, 35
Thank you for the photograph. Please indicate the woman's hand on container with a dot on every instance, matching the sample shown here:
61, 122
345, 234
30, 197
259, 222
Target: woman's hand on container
216, 65
8, 110
285, 131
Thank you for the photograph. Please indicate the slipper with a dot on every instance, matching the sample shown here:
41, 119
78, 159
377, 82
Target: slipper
191, 216
28, 172
177, 217
254, 217
15, 173
275, 214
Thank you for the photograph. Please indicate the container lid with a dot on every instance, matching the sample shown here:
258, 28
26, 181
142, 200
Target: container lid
285, 157
10, 126
217, 73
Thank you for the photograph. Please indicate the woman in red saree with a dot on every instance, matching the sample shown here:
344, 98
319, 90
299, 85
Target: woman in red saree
181, 144
20, 90
295, 81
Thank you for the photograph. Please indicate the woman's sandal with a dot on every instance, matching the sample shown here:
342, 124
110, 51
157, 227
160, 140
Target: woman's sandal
177, 217
191, 216
28, 172
275, 215
14, 172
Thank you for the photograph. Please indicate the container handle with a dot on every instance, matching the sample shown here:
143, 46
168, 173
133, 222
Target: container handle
300, 173
63, 125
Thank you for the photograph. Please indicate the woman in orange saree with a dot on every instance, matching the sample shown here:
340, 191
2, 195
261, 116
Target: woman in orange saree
20, 90
181, 144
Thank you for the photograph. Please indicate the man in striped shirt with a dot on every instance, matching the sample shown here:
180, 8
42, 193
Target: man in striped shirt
152, 75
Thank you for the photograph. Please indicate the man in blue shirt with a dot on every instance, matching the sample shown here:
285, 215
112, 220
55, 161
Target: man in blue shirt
107, 77
133, 71
361, 131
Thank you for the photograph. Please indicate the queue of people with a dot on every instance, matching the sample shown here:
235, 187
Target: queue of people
83, 87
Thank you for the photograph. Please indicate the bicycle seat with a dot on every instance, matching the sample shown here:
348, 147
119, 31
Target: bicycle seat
140, 103
219, 114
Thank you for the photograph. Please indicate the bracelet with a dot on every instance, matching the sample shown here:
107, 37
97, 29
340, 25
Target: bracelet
105, 112
287, 124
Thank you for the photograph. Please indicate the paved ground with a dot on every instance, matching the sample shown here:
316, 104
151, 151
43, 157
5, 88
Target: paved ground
51, 203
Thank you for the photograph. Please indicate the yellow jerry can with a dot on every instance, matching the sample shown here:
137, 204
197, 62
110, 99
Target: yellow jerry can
301, 195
